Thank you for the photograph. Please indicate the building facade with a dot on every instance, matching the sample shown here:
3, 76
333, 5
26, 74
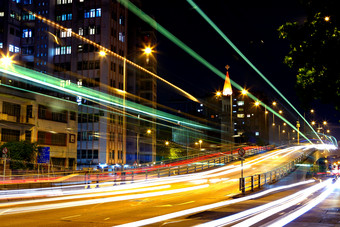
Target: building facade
48, 121
63, 53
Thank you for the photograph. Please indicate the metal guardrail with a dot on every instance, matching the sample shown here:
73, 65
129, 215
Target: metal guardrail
121, 177
259, 180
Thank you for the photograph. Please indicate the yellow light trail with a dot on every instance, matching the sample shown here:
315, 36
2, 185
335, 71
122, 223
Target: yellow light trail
58, 26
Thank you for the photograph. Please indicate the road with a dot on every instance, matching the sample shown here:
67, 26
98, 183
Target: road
109, 206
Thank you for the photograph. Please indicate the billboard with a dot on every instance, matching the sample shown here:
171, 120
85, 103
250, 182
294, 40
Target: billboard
43, 155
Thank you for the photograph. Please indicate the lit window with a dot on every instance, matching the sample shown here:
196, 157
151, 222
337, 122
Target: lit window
240, 103
257, 133
2, 14
121, 36
121, 20
11, 48
86, 14
248, 115
98, 12
68, 50
62, 34
81, 0
69, 16
240, 115
1, 45
26, 33
58, 2
69, 32
92, 13
92, 30
57, 51
16, 49
62, 50
63, 17
81, 31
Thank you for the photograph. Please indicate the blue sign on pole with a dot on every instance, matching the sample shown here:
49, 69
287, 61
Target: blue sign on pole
43, 155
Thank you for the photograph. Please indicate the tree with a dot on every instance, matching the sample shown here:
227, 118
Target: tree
314, 52
21, 154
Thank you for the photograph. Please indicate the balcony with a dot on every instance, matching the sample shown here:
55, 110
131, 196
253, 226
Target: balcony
6, 117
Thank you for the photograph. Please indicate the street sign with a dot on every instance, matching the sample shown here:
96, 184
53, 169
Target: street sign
241, 152
43, 155
4, 150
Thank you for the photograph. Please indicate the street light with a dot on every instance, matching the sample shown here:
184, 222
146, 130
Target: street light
147, 51
244, 92
324, 122
327, 18
280, 111
257, 103
166, 143
148, 131
313, 122
6, 61
200, 142
274, 103
218, 94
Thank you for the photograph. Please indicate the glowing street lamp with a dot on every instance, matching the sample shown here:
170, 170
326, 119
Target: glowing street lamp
313, 122
147, 50
324, 122
218, 94
166, 143
274, 103
200, 142
280, 111
257, 103
312, 111
244, 92
148, 131
6, 61
327, 18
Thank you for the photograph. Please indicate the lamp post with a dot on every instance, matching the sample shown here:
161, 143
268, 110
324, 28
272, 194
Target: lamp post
200, 142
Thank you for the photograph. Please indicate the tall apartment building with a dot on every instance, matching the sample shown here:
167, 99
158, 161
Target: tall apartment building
102, 130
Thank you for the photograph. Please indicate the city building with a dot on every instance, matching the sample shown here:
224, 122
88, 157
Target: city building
48, 121
31, 32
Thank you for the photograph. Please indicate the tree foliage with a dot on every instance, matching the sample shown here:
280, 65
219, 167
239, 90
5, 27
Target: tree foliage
315, 52
21, 154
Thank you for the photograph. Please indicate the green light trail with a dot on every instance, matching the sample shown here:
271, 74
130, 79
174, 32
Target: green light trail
213, 25
55, 83
191, 52
116, 111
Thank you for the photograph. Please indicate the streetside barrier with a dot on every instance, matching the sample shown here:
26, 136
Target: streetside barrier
259, 180
128, 175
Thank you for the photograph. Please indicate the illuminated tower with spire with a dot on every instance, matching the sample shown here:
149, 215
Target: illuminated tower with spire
227, 130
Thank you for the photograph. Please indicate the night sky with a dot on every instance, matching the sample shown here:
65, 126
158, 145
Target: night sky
251, 26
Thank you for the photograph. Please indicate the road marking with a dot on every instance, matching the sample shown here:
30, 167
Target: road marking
71, 216
165, 205
186, 203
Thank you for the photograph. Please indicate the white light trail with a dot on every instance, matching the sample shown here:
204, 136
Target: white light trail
97, 201
85, 196
208, 207
295, 214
